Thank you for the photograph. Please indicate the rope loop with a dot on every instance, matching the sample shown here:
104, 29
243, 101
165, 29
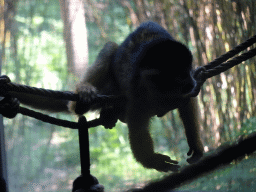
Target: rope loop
199, 74
221, 64
199, 77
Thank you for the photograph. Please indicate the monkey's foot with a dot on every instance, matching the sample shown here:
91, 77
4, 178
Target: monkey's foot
161, 163
108, 117
87, 96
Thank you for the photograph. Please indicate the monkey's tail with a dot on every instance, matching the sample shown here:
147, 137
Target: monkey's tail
42, 103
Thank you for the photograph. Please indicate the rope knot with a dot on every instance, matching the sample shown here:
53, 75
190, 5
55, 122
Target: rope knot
9, 107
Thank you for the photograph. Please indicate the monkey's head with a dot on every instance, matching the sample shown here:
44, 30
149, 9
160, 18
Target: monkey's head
156, 66
162, 63
167, 67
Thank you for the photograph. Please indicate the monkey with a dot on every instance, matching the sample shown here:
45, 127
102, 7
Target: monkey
153, 72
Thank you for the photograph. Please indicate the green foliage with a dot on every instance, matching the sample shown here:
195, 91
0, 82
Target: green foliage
69, 148
113, 20
248, 127
38, 60
238, 176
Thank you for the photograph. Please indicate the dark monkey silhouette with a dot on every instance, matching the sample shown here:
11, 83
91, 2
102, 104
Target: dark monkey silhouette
153, 73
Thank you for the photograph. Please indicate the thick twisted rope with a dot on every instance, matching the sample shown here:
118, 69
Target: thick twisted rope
231, 53
9, 107
7, 85
219, 65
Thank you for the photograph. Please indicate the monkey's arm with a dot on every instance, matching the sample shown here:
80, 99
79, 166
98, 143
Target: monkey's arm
189, 115
141, 141
40, 102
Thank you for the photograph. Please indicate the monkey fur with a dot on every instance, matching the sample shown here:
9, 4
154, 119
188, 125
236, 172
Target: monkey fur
153, 72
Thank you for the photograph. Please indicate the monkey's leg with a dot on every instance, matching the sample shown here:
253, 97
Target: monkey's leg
190, 117
142, 143
97, 80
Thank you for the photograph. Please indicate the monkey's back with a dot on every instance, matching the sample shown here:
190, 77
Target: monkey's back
146, 48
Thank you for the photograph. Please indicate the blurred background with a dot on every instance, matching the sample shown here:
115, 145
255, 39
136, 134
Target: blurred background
49, 44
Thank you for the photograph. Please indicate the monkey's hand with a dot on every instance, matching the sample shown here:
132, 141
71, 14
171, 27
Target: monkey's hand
160, 162
87, 95
196, 152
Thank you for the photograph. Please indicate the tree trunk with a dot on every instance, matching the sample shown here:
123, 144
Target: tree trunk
75, 35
